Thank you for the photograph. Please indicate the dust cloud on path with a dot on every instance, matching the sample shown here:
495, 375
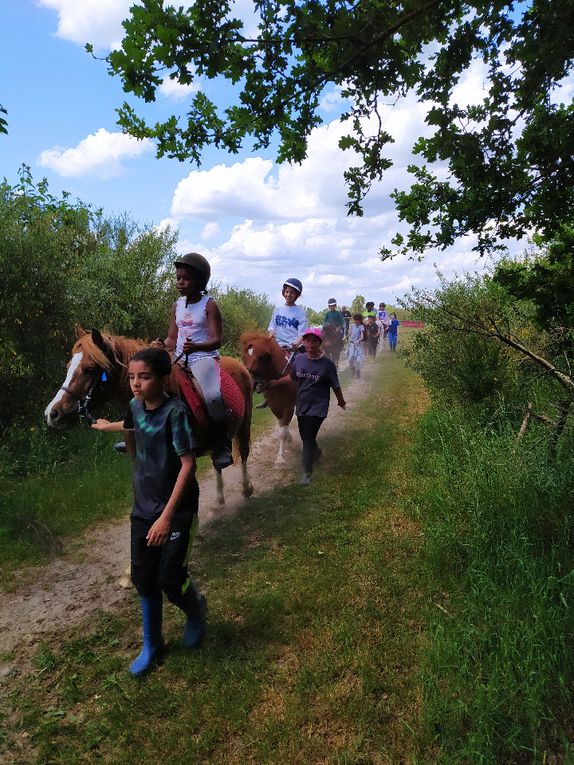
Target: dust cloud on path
86, 578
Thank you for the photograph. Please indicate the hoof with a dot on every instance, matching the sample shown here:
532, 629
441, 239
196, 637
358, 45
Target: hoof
125, 582
248, 491
280, 461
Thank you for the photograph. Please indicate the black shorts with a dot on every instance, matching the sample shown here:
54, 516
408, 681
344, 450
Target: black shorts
164, 567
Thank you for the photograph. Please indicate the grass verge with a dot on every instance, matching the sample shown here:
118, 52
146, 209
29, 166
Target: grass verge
497, 519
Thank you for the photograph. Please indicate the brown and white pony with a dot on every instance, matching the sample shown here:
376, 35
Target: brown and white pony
98, 372
266, 361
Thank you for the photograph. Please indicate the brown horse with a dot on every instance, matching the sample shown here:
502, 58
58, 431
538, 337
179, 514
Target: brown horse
98, 372
266, 361
333, 343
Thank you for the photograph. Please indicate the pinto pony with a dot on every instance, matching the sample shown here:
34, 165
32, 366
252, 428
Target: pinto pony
269, 367
98, 372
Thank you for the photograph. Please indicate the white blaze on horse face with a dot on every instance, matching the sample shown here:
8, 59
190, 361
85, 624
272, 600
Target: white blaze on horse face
251, 351
74, 364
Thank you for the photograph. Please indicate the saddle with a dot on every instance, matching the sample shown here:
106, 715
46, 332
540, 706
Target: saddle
189, 391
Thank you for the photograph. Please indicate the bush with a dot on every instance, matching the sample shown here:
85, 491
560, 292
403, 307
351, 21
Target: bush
62, 264
242, 311
459, 362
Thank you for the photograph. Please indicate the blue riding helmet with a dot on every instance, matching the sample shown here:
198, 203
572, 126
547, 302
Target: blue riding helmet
295, 283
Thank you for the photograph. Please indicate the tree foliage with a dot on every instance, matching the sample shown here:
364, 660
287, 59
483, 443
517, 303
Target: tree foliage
546, 278
63, 262
505, 164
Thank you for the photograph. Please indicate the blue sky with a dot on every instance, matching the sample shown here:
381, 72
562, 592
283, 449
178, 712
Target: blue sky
257, 223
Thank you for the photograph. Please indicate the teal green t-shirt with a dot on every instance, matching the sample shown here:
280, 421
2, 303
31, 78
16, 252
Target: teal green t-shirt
162, 436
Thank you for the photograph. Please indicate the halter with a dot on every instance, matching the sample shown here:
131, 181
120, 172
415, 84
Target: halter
261, 383
84, 402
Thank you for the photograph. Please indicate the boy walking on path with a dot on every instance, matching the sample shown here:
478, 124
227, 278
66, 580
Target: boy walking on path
316, 376
165, 505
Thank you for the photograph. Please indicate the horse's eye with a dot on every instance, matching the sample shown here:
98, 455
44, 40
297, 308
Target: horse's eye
92, 370
250, 350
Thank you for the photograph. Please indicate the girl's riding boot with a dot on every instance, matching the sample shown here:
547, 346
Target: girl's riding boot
221, 456
152, 636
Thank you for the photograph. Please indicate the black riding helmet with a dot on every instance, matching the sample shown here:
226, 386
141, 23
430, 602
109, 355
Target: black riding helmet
197, 263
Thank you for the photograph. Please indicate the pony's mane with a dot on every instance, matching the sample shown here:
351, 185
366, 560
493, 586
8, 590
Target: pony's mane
123, 348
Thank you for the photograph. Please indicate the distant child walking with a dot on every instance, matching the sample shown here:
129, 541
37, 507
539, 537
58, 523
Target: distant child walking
373, 331
393, 334
316, 376
165, 504
356, 347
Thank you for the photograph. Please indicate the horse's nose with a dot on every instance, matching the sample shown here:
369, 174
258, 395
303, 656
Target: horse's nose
54, 415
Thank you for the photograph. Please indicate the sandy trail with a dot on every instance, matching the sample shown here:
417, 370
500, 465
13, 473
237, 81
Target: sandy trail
86, 577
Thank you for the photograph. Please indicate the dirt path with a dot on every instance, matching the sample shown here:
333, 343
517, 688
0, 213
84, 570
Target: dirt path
86, 578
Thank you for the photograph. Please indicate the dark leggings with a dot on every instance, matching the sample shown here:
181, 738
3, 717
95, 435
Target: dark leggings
308, 429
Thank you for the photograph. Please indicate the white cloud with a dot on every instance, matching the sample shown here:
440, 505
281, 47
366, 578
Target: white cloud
95, 21
100, 155
166, 223
210, 230
100, 21
174, 91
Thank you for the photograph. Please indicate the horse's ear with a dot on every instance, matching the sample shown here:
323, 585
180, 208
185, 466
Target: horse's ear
99, 340
80, 332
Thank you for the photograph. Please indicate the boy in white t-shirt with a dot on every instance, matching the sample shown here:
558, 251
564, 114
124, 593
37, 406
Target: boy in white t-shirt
289, 321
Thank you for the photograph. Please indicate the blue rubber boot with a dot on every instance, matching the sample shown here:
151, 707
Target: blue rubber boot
152, 635
194, 605
196, 623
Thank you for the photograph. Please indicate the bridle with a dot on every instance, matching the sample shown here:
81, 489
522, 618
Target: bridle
260, 383
84, 401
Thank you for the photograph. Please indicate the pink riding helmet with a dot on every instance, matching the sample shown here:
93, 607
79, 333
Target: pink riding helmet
317, 331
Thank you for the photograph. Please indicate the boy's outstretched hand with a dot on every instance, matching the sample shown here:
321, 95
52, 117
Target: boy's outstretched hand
101, 424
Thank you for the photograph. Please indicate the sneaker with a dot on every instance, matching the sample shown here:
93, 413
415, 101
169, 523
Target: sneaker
120, 447
305, 479
262, 405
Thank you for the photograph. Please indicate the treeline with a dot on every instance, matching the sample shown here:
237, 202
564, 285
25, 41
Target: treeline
64, 262
495, 460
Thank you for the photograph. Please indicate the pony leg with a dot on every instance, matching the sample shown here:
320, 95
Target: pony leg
219, 487
246, 485
283, 437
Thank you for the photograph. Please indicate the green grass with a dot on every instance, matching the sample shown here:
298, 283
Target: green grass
497, 519
316, 616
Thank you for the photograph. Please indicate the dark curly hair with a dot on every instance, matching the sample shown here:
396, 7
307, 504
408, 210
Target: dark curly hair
156, 358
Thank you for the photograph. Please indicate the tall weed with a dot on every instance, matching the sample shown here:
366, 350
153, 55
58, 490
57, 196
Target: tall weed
497, 517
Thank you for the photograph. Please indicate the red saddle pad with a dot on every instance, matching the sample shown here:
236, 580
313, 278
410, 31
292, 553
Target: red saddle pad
229, 389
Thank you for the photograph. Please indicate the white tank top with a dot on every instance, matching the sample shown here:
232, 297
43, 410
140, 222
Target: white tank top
191, 321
